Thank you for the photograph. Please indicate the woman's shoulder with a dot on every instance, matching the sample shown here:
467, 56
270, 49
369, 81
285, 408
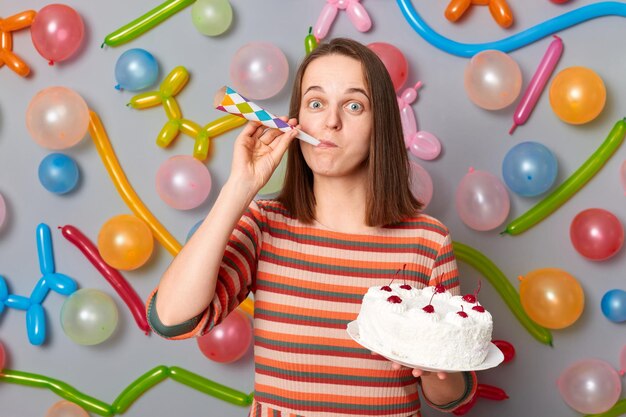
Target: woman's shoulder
272, 209
421, 221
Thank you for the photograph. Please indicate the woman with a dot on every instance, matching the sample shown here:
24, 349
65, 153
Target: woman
344, 221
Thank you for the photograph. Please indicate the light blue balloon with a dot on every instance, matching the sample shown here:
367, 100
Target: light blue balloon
135, 70
58, 173
529, 169
614, 305
193, 230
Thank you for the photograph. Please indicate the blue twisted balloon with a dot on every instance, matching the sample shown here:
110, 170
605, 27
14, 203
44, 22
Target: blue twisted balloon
516, 41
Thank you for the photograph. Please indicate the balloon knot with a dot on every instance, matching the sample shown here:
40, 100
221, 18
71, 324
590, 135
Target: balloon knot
51, 62
512, 129
520, 277
621, 372
119, 88
470, 170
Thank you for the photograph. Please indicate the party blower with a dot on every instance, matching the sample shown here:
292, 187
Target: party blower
229, 101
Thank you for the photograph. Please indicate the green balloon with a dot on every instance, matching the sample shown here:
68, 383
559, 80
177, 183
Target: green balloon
212, 17
275, 183
89, 316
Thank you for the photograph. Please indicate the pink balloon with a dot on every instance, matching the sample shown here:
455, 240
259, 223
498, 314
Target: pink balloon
57, 118
66, 409
482, 200
325, 19
2, 357
358, 15
493, 80
421, 184
596, 234
3, 210
183, 182
590, 386
622, 361
259, 70
57, 32
622, 175
425, 145
229, 340
394, 60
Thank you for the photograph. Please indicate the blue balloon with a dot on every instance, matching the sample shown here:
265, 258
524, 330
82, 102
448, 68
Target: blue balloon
614, 305
529, 169
135, 70
193, 230
58, 173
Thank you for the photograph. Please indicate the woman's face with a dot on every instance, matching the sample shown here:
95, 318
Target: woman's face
336, 109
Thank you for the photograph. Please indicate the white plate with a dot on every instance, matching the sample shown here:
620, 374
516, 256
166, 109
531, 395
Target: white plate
493, 359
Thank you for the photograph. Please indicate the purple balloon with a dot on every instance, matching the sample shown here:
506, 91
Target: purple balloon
183, 182
259, 70
482, 200
590, 386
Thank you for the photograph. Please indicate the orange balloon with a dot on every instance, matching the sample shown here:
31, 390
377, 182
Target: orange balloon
577, 95
125, 242
552, 298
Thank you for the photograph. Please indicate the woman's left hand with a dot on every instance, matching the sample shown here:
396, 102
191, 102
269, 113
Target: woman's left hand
417, 372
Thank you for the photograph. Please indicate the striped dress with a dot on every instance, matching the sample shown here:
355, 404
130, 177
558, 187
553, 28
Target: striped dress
308, 282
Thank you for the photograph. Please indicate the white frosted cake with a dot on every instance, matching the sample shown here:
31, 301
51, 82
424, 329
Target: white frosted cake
426, 326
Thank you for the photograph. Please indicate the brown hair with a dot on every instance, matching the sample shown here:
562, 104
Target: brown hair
389, 198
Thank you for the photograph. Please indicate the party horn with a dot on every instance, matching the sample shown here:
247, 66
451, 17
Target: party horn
230, 101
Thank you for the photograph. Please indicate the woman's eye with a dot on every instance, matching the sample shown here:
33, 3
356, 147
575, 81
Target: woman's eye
315, 104
355, 107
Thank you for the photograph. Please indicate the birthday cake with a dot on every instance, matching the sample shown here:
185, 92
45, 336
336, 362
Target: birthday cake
426, 326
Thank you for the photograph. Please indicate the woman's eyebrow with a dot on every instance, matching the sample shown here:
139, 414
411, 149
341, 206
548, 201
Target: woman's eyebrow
358, 90
348, 91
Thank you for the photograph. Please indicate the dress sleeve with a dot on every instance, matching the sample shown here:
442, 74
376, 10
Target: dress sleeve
236, 277
445, 270
470, 390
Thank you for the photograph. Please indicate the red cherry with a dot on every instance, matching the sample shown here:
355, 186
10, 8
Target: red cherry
439, 289
469, 298
480, 309
394, 299
429, 308
406, 287
386, 288
462, 314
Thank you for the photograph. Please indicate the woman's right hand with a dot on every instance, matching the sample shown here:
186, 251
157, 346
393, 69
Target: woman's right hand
257, 152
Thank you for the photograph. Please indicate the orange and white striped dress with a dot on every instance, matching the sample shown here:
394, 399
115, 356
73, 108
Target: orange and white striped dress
308, 282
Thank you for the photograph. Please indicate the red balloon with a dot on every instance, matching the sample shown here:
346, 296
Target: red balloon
2, 357
229, 340
559, 1
57, 32
394, 61
596, 234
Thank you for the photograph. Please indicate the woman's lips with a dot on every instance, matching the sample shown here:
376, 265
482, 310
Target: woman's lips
326, 144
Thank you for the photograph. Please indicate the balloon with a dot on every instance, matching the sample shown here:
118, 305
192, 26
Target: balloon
559, 1
112, 275
89, 316
66, 409
103, 145
57, 118
590, 386
394, 60
507, 349
622, 174
614, 305
207, 386
135, 70
421, 184
183, 182
275, 183
145, 22
499, 10
138, 387
57, 32
622, 360
3, 211
310, 42
552, 297
596, 234
529, 169
570, 186
489, 392
7, 26
577, 95
125, 242
3, 357
493, 80
425, 145
193, 230
356, 13
259, 70
229, 340
58, 173
520, 39
537, 83
211, 17
503, 286
482, 201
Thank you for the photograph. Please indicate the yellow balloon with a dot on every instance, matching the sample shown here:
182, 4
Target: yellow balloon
577, 95
125, 242
552, 298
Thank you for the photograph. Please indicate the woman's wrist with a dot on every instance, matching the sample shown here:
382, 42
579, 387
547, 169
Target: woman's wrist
441, 392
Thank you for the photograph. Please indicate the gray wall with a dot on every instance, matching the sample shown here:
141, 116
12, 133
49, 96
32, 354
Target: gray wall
470, 137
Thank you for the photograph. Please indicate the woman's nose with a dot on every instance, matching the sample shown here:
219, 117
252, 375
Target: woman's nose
333, 119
